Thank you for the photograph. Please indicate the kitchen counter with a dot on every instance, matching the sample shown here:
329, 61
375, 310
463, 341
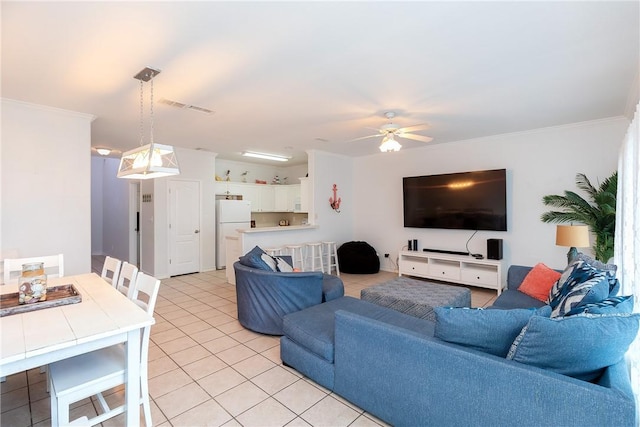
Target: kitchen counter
279, 228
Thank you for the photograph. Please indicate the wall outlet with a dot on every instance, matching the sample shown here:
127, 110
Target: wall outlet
386, 255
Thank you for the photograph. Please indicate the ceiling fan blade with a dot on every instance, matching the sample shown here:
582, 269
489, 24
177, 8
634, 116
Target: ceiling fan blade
416, 137
414, 128
364, 137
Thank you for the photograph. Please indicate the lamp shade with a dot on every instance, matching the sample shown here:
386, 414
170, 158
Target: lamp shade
149, 161
573, 236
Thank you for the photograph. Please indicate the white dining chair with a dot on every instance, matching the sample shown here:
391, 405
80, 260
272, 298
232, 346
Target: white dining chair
90, 374
127, 278
53, 267
110, 270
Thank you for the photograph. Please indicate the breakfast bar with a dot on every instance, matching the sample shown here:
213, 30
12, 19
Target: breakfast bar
265, 237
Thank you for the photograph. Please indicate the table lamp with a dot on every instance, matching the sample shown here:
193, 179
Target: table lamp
573, 236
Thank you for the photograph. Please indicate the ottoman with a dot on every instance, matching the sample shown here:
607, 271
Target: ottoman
416, 297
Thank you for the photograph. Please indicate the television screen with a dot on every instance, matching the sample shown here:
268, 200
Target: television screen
466, 200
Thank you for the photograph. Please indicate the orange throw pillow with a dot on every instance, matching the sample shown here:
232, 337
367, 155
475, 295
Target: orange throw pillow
539, 281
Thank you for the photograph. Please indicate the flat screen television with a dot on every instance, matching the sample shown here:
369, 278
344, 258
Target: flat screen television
466, 200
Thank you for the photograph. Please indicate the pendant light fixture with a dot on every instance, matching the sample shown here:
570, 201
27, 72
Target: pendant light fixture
151, 160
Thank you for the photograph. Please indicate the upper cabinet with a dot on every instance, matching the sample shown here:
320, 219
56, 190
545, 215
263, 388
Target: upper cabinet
287, 198
266, 198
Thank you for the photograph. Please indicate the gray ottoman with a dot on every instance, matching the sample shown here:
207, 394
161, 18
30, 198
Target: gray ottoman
416, 297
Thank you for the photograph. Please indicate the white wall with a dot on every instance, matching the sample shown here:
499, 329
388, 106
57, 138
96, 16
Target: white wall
110, 229
97, 168
46, 183
538, 162
154, 217
115, 238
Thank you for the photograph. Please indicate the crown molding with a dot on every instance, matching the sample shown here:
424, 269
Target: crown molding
56, 110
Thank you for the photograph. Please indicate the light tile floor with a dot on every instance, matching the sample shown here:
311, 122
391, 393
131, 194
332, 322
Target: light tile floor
205, 369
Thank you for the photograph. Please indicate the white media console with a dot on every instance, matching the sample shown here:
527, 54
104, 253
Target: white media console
463, 269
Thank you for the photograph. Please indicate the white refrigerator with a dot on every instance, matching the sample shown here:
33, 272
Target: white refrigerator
231, 215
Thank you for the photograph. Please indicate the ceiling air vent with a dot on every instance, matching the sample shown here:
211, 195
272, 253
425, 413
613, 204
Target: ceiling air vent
182, 106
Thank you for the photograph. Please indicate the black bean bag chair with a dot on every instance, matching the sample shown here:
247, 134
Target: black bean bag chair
358, 258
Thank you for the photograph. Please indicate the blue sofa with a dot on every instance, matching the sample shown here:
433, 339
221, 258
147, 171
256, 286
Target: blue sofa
392, 366
511, 297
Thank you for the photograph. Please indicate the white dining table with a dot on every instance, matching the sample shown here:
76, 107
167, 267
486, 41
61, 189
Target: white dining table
104, 317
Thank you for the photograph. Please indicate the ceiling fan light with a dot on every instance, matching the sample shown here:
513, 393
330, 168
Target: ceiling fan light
390, 144
265, 156
103, 151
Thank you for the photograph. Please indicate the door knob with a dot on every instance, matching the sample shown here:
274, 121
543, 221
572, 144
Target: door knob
197, 231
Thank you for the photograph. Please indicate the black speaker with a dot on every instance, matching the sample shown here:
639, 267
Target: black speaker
494, 248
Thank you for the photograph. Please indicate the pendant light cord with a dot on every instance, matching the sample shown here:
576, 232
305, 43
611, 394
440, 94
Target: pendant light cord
141, 113
151, 116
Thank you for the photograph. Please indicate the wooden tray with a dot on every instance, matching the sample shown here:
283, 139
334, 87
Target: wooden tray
56, 296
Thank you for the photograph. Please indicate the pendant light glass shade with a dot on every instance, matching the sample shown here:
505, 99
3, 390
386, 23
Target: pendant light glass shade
149, 161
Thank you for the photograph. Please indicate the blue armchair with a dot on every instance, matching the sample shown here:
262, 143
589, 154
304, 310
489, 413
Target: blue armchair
264, 297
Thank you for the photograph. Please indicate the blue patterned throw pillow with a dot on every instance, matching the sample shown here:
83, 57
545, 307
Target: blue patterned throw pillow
253, 259
580, 283
282, 265
610, 269
612, 305
270, 261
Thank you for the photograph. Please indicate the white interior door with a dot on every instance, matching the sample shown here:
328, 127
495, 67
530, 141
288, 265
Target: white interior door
184, 227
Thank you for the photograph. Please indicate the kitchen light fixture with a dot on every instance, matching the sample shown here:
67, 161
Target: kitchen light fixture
265, 156
573, 236
151, 160
389, 144
103, 151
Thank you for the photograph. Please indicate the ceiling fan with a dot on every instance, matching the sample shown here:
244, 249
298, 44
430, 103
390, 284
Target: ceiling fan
391, 131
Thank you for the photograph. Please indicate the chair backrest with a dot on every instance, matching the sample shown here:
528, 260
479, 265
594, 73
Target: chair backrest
53, 267
127, 278
145, 292
110, 270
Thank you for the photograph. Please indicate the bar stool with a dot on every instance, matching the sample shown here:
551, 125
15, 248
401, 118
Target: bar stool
331, 251
314, 252
273, 251
297, 259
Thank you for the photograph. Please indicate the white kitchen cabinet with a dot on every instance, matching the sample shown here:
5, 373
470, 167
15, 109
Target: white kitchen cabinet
283, 200
251, 192
287, 198
230, 188
267, 196
264, 197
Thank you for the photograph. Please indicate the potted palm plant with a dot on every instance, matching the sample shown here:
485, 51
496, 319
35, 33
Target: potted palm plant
599, 213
